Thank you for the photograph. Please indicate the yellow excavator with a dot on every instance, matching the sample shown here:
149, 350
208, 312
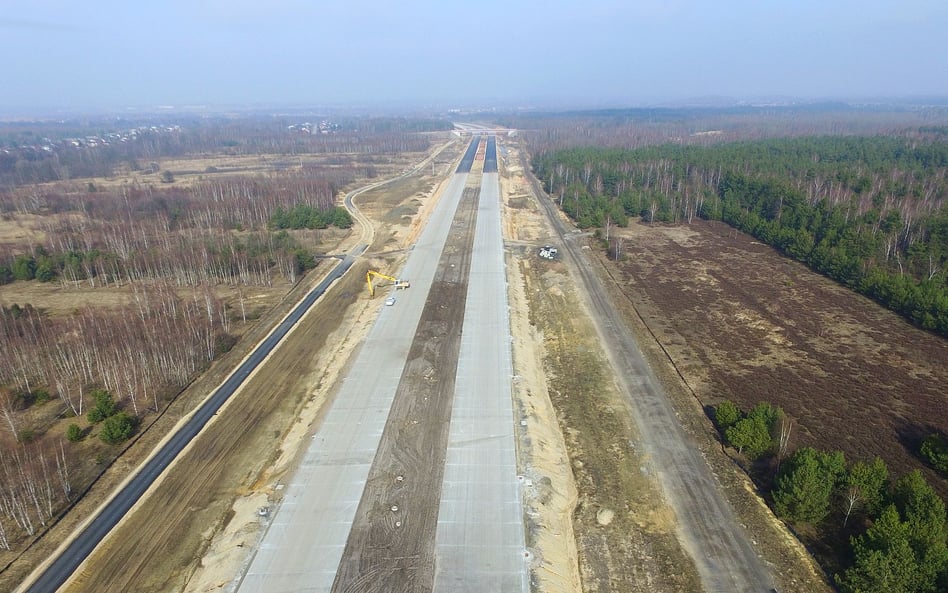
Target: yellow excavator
399, 283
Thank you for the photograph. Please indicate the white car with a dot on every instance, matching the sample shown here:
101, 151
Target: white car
389, 301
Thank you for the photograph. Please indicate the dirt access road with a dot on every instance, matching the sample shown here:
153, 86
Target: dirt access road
722, 551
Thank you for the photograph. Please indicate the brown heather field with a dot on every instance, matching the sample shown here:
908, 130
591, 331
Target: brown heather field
742, 322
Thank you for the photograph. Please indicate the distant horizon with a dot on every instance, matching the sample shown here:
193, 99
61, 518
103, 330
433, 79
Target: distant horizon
38, 113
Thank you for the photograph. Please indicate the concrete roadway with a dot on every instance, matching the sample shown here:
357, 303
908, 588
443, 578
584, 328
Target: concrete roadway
480, 538
303, 546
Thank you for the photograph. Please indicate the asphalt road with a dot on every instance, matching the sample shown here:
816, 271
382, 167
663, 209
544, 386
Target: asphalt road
59, 571
721, 549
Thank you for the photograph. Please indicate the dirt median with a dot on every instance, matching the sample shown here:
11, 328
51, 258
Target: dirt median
391, 543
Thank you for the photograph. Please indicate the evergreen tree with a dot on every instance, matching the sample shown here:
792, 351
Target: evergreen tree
884, 560
726, 415
751, 436
935, 451
104, 406
117, 428
865, 487
806, 484
924, 514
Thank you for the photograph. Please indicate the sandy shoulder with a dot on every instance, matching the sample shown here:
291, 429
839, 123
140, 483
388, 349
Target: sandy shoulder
550, 494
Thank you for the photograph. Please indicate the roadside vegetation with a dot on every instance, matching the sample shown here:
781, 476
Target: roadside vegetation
934, 450
896, 531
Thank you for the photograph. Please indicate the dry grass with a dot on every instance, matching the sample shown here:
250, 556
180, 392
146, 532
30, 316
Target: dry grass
625, 532
625, 535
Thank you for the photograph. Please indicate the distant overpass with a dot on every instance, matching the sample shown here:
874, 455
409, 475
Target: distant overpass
471, 129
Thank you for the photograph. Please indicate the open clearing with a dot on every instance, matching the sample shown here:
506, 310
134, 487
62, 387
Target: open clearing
743, 323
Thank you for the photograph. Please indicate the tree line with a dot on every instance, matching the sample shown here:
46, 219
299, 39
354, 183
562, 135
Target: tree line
869, 212
897, 530
229, 231
302, 216
706, 126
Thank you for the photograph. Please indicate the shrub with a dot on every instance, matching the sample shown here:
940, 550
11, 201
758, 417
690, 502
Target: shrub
104, 406
806, 484
73, 433
40, 396
117, 428
751, 436
726, 415
935, 451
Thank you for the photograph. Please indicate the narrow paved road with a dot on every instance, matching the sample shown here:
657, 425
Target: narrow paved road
707, 526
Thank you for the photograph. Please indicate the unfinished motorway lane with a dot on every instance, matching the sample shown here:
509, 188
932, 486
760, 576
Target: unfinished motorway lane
410, 482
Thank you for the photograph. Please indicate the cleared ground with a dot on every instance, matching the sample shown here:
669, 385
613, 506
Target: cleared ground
391, 544
791, 569
361, 520
610, 529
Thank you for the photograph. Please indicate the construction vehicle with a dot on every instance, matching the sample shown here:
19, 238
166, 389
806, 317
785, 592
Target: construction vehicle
398, 283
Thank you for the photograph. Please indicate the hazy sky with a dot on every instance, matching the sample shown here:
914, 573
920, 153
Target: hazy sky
114, 53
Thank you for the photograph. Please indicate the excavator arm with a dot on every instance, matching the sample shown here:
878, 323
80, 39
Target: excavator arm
368, 280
